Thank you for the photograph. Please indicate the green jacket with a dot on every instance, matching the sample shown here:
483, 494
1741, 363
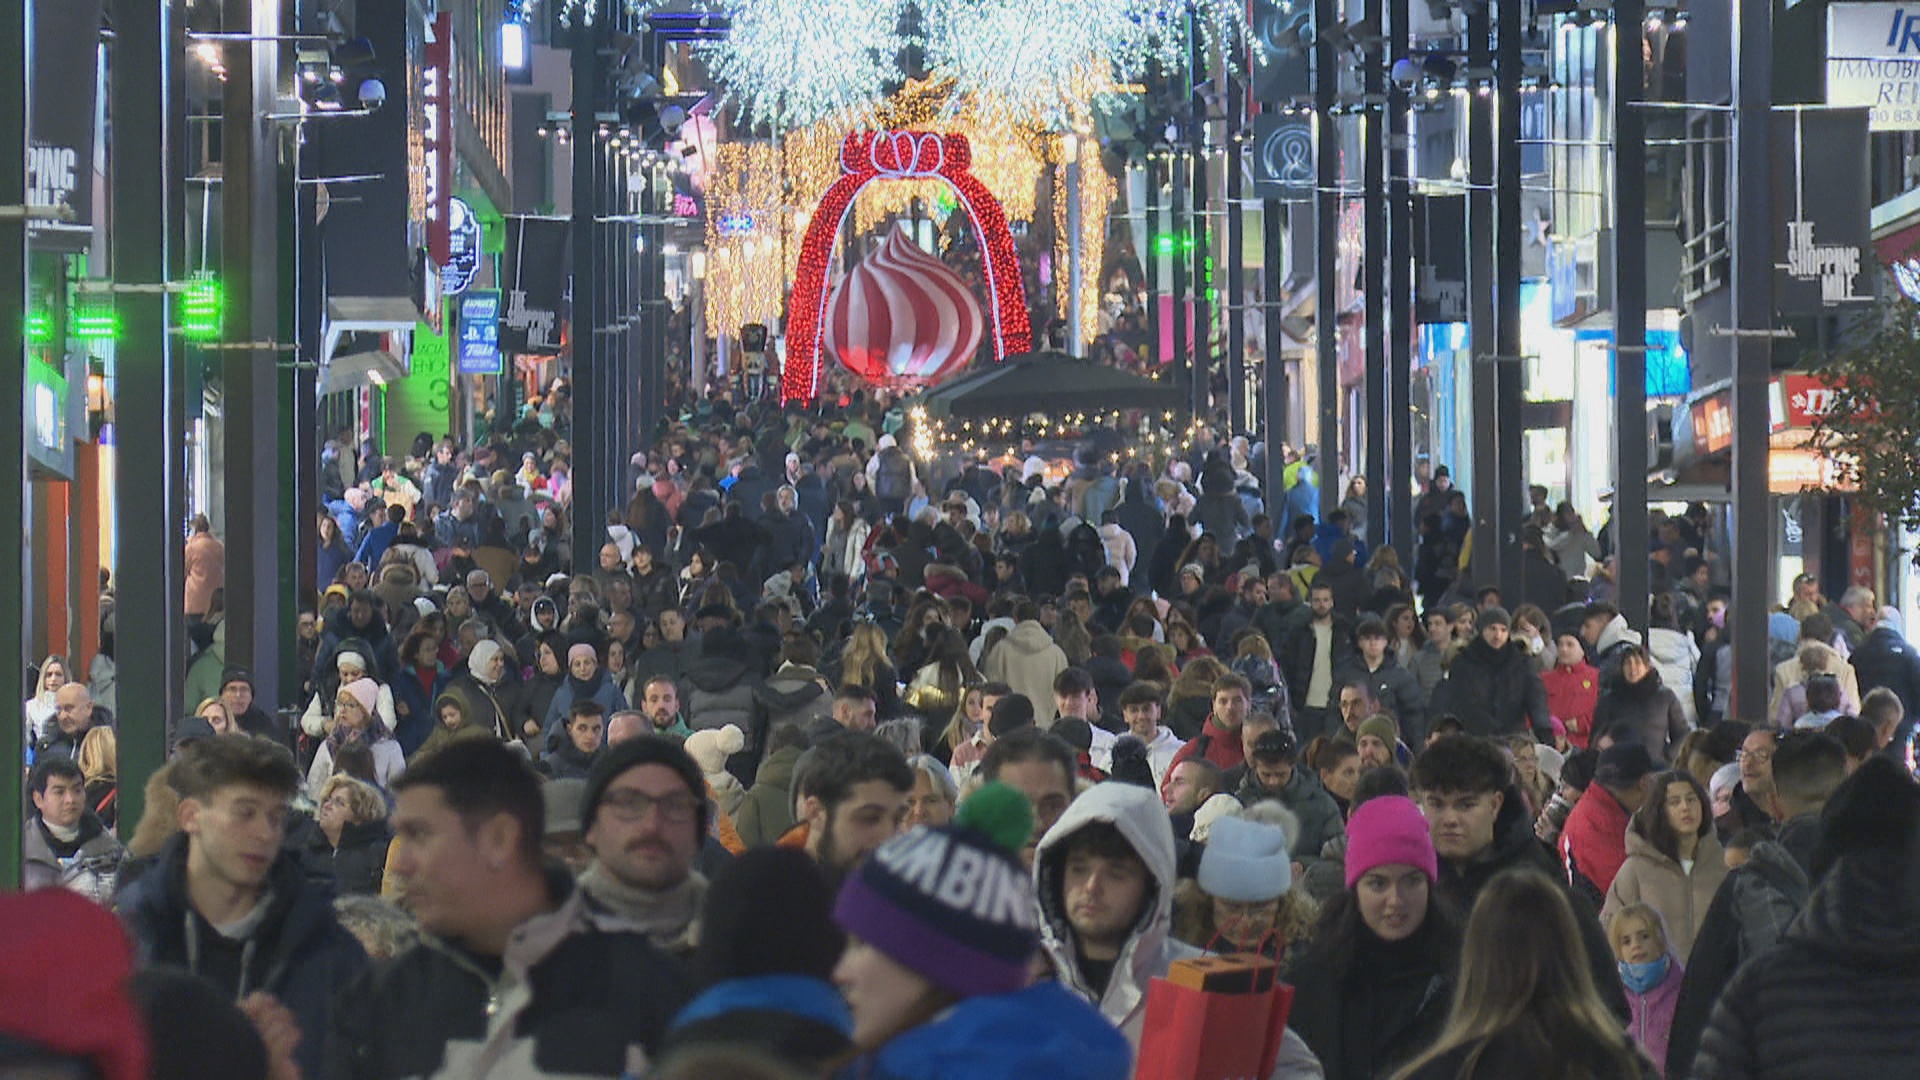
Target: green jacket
768, 809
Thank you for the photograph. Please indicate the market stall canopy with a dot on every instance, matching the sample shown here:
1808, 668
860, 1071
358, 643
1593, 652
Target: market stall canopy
1050, 382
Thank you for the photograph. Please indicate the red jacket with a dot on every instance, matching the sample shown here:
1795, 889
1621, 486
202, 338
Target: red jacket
1572, 694
1222, 747
1594, 843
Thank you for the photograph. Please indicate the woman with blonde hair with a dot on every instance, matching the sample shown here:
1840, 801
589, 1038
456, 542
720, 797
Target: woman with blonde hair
40, 707
99, 762
215, 712
864, 663
1526, 1004
966, 738
352, 836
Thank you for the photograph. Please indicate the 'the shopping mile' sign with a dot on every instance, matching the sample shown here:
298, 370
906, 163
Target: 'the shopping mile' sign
1873, 61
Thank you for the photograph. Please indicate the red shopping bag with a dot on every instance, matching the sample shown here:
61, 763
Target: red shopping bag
1218, 1018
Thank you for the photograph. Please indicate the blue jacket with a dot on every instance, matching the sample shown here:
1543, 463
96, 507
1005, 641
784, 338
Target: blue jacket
793, 1018
299, 954
375, 544
1042, 1031
415, 723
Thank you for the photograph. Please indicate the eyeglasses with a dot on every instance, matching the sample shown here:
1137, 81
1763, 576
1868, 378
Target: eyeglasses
636, 805
1761, 756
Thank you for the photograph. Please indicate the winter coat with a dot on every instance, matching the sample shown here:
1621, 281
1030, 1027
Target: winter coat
1028, 661
1594, 842
1675, 655
578, 993
1680, 896
1150, 949
1296, 657
1398, 692
1789, 673
1377, 1013
1572, 695
795, 694
767, 809
1122, 552
655, 591
206, 572
1223, 515
299, 952
1651, 709
720, 692
90, 866
1213, 743
1837, 997
1652, 1023
413, 700
388, 764
1749, 915
1161, 751
1514, 848
1319, 816
360, 861
1885, 660
1494, 691
1541, 582
1043, 1030
601, 688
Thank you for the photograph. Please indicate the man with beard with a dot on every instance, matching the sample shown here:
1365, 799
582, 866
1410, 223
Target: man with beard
644, 813
853, 790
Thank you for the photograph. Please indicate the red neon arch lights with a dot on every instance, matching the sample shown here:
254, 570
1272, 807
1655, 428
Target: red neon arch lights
867, 156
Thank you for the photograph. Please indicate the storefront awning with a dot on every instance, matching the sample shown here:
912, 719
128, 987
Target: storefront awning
351, 371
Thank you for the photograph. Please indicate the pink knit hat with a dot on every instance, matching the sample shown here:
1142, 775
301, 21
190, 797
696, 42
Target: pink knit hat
1387, 830
580, 650
367, 693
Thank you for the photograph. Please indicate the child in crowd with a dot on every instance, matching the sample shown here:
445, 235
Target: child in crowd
1651, 974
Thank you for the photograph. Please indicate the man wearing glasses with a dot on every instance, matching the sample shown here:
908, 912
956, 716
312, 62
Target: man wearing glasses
644, 814
518, 973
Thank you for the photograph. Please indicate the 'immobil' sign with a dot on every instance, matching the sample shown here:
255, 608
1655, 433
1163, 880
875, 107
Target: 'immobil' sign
1873, 62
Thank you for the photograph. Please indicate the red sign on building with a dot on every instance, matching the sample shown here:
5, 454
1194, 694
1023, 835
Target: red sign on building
437, 108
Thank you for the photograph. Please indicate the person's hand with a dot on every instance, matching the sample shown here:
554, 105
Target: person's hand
278, 1030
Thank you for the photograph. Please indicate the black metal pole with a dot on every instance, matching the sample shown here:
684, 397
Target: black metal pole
249, 256
1233, 309
1273, 378
1752, 347
1630, 316
1374, 210
1509, 494
593, 411
146, 171
13, 428
1400, 494
1202, 239
1482, 330
1326, 234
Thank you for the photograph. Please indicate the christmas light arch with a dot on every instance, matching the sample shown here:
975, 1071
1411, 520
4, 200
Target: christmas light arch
867, 156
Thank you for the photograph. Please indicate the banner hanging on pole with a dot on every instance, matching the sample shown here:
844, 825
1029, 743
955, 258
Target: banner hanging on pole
536, 268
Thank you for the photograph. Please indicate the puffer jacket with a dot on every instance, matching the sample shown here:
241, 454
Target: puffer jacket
1653, 711
1396, 689
1675, 656
1494, 692
1885, 659
767, 809
720, 692
578, 993
796, 694
1319, 816
1845, 979
1043, 1030
1680, 896
90, 871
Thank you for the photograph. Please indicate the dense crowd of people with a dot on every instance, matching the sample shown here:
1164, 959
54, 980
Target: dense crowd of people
837, 760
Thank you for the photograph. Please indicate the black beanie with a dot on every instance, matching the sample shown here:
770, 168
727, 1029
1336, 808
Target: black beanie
768, 912
1130, 764
643, 750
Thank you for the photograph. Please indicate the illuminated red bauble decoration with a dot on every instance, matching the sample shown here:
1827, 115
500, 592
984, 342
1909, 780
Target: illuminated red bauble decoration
902, 318
867, 156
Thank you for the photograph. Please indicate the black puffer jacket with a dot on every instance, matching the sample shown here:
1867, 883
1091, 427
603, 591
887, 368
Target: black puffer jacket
1651, 709
1837, 996
359, 862
1494, 692
1884, 659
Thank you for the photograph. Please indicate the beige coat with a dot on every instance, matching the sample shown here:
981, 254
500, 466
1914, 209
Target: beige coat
1681, 898
206, 570
1789, 673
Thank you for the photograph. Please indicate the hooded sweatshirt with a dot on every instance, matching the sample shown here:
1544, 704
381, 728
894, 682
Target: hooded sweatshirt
1151, 949
1142, 820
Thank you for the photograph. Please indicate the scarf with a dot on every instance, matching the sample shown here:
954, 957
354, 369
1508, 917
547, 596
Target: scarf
1641, 978
668, 917
584, 691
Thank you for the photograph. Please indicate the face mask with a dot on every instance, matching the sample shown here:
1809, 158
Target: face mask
1537, 644
1718, 618
1641, 978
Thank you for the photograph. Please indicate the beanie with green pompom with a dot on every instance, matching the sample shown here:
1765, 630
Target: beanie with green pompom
952, 904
